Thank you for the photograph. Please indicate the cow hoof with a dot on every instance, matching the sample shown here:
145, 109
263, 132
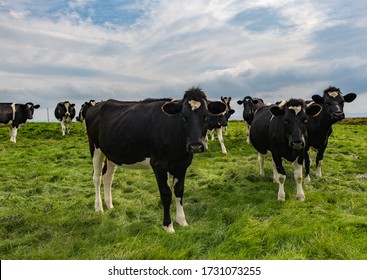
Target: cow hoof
281, 197
307, 180
182, 222
169, 228
301, 197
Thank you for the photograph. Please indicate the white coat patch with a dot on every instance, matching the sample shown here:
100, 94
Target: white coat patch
13, 108
138, 165
194, 104
296, 109
333, 93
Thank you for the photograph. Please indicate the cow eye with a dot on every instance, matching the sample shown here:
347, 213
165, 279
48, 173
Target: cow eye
286, 122
184, 119
305, 121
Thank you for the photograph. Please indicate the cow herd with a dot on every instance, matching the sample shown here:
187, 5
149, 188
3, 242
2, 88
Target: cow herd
163, 134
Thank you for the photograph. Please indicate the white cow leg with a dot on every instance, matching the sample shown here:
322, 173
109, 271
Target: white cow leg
281, 192
261, 159
275, 173
298, 179
63, 128
98, 158
221, 141
180, 214
318, 169
13, 134
107, 183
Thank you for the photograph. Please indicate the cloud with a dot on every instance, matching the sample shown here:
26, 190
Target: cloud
80, 50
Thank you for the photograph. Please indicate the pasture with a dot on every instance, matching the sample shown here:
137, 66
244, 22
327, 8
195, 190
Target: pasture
47, 203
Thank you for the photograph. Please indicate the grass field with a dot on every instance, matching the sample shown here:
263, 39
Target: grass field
47, 203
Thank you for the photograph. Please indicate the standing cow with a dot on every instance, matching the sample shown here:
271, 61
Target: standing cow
320, 126
14, 115
250, 105
219, 124
65, 112
283, 132
158, 134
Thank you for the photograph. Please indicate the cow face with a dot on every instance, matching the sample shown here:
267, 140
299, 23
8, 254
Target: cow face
333, 103
295, 118
249, 107
83, 110
229, 111
194, 115
29, 109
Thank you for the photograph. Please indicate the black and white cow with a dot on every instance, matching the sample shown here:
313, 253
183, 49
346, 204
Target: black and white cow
283, 132
320, 126
159, 134
14, 115
84, 108
250, 105
65, 112
219, 124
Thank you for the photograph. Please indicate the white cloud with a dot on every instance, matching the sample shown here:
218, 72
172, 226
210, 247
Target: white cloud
77, 49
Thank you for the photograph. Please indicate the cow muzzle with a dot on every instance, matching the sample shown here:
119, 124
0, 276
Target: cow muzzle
196, 147
337, 116
297, 145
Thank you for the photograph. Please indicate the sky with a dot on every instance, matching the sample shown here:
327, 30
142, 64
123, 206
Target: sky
54, 50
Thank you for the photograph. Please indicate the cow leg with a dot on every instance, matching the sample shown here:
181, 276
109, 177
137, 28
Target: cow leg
280, 172
221, 141
179, 192
13, 134
307, 179
298, 179
319, 157
166, 198
261, 158
107, 182
63, 128
248, 133
98, 158
206, 141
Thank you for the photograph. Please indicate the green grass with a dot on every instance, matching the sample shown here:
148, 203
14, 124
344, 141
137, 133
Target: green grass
47, 203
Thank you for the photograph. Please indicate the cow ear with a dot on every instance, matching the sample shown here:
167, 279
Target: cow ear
350, 97
36, 106
318, 99
217, 107
313, 109
172, 108
255, 101
72, 105
277, 111
240, 102
231, 112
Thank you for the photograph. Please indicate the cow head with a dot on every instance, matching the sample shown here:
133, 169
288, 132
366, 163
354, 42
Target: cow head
332, 103
250, 105
29, 109
194, 111
69, 109
295, 117
229, 110
83, 110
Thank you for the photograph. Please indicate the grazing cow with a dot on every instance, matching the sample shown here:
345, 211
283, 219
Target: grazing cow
320, 126
65, 112
159, 134
250, 105
84, 108
219, 124
283, 132
14, 115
